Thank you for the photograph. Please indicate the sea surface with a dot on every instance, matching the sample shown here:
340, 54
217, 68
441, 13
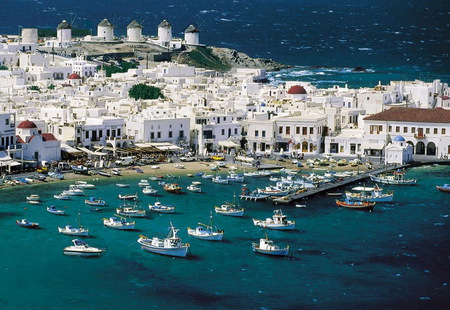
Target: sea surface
324, 39
396, 257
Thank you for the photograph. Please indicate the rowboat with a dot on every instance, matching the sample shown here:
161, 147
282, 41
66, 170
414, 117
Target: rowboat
356, 205
444, 188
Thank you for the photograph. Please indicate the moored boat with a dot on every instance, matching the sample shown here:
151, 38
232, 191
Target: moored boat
206, 232
122, 185
128, 197
194, 188
116, 171
356, 205
267, 247
172, 188
34, 197
230, 209
61, 196
160, 208
143, 183
84, 185
73, 231
370, 194
118, 223
149, 190
444, 188
93, 201
170, 246
52, 209
278, 221
27, 224
397, 178
81, 248
130, 211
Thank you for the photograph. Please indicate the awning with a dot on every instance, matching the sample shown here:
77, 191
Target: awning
160, 146
91, 152
68, 149
228, 143
373, 146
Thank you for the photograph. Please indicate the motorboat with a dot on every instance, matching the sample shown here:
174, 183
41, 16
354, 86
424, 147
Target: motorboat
230, 209
52, 209
81, 248
273, 191
170, 246
143, 183
93, 201
103, 173
128, 197
194, 188
130, 211
278, 221
254, 174
61, 196
197, 183
160, 208
116, 171
219, 180
73, 231
234, 177
149, 190
80, 169
370, 194
156, 178
397, 178
27, 224
74, 191
207, 176
118, 223
122, 185
56, 175
33, 197
34, 202
253, 195
356, 205
84, 185
221, 164
179, 166
444, 188
206, 232
172, 188
267, 247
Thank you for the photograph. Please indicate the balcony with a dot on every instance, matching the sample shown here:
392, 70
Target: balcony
419, 136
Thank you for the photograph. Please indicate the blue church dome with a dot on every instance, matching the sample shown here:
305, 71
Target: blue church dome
398, 139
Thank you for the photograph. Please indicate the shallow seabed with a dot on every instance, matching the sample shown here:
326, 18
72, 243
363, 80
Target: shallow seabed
394, 257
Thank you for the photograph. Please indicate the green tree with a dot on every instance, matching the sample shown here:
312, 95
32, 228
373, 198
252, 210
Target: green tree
34, 87
143, 91
3, 68
51, 87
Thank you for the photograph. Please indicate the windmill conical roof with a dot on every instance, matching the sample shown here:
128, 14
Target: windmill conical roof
134, 24
164, 24
191, 29
64, 25
105, 23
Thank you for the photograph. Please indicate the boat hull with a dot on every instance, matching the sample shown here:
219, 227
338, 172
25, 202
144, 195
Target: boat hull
213, 236
74, 232
263, 224
364, 206
177, 252
279, 252
443, 189
71, 252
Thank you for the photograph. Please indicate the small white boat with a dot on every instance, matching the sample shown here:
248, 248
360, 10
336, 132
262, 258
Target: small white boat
118, 223
221, 164
398, 178
179, 166
84, 185
116, 171
160, 208
34, 197
370, 194
207, 176
27, 224
230, 209
34, 202
73, 231
143, 183
170, 246
61, 196
130, 211
206, 232
81, 248
197, 183
52, 209
74, 191
122, 185
149, 190
92, 201
56, 175
128, 197
219, 180
278, 221
194, 188
267, 247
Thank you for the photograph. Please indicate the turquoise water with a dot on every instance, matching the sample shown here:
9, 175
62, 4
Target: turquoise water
394, 257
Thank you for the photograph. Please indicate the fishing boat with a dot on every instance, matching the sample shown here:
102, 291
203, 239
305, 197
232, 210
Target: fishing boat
34, 202
40, 177
207, 176
139, 170
149, 190
194, 188
116, 171
27, 224
160, 208
74, 191
103, 173
93, 201
56, 175
156, 178
52, 209
234, 177
172, 188
370, 194
61, 196
253, 195
278, 221
80, 169
122, 185
33, 197
219, 180
444, 188
267, 247
397, 178
206, 232
118, 223
143, 183
84, 185
74, 231
81, 248
130, 211
170, 246
128, 197
273, 191
229, 209
356, 205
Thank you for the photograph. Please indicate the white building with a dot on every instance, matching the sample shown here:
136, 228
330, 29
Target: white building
192, 35
64, 36
164, 33
398, 152
7, 130
134, 32
105, 30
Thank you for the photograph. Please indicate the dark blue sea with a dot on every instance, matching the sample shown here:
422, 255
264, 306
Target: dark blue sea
396, 257
324, 39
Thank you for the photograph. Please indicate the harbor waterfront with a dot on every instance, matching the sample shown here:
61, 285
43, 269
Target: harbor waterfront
394, 257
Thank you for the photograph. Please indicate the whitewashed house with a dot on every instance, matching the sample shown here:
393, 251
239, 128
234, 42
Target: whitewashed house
398, 152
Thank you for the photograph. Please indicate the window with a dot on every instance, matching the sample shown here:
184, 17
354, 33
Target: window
263, 133
235, 131
223, 132
311, 130
413, 129
390, 129
108, 132
7, 121
280, 130
256, 133
170, 134
427, 131
397, 128
181, 134
87, 134
377, 129
158, 135
435, 131
288, 130
297, 130
405, 129
304, 131
443, 131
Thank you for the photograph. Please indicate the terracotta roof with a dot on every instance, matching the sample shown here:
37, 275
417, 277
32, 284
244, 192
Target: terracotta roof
412, 115
27, 125
297, 90
19, 140
74, 76
48, 137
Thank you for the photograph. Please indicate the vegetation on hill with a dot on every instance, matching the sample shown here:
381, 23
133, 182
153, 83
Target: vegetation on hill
143, 91
122, 67
202, 57
49, 32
